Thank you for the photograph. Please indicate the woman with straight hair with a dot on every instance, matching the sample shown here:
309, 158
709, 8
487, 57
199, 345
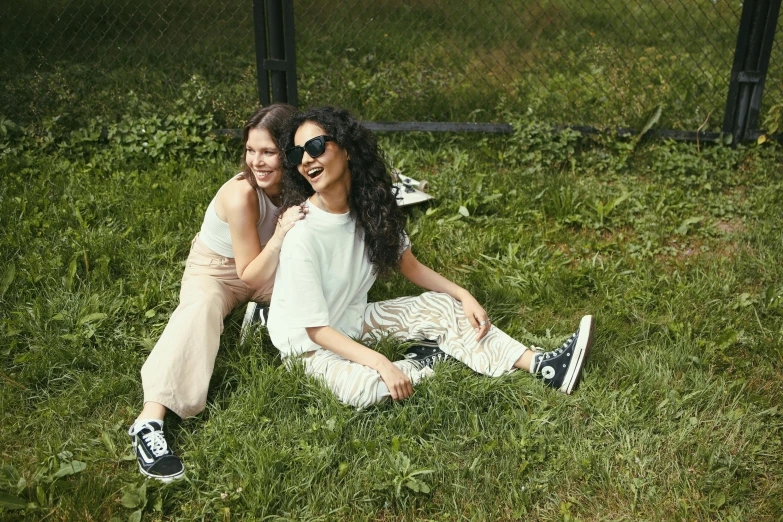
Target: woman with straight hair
353, 233
232, 259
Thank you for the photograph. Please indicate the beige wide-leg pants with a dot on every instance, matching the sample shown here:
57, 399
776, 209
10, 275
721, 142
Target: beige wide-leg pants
431, 315
177, 371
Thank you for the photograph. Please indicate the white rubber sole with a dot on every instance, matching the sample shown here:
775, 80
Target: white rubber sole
247, 320
583, 343
165, 480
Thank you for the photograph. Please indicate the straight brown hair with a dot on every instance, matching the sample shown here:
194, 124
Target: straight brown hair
273, 118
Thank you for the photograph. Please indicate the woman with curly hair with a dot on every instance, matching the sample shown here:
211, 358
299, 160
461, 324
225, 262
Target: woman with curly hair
353, 233
232, 259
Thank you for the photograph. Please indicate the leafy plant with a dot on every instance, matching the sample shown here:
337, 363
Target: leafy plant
41, 485
773, 119
403, 478
135, 497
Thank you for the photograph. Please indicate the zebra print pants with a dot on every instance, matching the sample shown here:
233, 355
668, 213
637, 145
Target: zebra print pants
431, 315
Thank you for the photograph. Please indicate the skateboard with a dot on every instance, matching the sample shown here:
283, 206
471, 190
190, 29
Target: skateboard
410, 191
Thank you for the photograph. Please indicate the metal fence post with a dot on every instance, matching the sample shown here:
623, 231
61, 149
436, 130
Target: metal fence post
274, 20
751, 61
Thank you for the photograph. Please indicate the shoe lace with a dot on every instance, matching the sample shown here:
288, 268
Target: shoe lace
566, 345
436, 357
156, 442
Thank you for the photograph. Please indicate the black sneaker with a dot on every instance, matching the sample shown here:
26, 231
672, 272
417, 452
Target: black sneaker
426, 352
256, 315
561, 368
152, 452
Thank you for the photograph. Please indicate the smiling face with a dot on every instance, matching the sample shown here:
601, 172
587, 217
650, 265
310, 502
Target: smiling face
263, 158
329, 171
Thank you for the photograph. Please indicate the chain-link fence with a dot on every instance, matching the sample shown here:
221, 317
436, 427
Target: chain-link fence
594, 62
210, 37
85, 56
773, 90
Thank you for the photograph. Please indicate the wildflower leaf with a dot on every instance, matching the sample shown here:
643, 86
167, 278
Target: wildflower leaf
11, 501
652, 121
8, 278
70, 274
92, 318
132, 498
686, 225
10, 474
718, 500
493, 197
69, 468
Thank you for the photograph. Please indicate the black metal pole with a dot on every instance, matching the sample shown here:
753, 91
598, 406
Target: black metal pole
290, 52
259, 30
751, 61
274, 9
274, 20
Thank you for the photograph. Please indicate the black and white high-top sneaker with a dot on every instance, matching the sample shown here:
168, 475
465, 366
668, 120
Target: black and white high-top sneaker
256, 315
561, 368
156, 460
426, 352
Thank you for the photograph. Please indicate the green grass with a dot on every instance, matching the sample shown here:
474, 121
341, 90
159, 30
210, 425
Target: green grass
675, 249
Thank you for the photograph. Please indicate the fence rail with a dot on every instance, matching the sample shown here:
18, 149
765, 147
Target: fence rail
592, 64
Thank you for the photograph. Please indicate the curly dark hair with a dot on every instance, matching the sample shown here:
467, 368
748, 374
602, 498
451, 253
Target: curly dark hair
272, 118
372, 198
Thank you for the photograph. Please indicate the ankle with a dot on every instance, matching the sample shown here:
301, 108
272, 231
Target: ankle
525, 361
152, 411
147, 420
535, 361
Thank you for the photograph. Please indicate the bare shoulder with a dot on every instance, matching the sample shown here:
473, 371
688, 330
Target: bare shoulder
238, 197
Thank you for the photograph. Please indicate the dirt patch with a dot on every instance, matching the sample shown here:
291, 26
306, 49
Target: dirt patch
730, 227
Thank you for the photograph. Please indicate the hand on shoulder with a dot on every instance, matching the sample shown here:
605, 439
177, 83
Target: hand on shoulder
288, 220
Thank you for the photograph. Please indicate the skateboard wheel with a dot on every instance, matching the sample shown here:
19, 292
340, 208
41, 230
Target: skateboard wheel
423, 185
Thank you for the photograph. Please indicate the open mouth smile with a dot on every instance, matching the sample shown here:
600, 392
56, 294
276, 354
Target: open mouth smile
262, 173
314, 172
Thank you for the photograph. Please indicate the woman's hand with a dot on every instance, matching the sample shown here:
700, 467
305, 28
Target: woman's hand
476, 315
429, 279
399, 384
287, 221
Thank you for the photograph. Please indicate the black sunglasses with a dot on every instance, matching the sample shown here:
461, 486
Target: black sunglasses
314, 147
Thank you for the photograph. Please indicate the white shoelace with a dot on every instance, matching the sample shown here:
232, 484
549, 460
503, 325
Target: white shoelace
540, 357
567, 344
156, 442
434, 358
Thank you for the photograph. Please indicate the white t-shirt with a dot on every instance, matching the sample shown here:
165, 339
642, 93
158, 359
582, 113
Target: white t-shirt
322, 280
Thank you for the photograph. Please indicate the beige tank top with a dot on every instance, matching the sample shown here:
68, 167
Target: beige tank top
215, 233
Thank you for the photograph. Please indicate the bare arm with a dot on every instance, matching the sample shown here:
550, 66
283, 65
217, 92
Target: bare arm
429, 279
255, 267
327, 337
